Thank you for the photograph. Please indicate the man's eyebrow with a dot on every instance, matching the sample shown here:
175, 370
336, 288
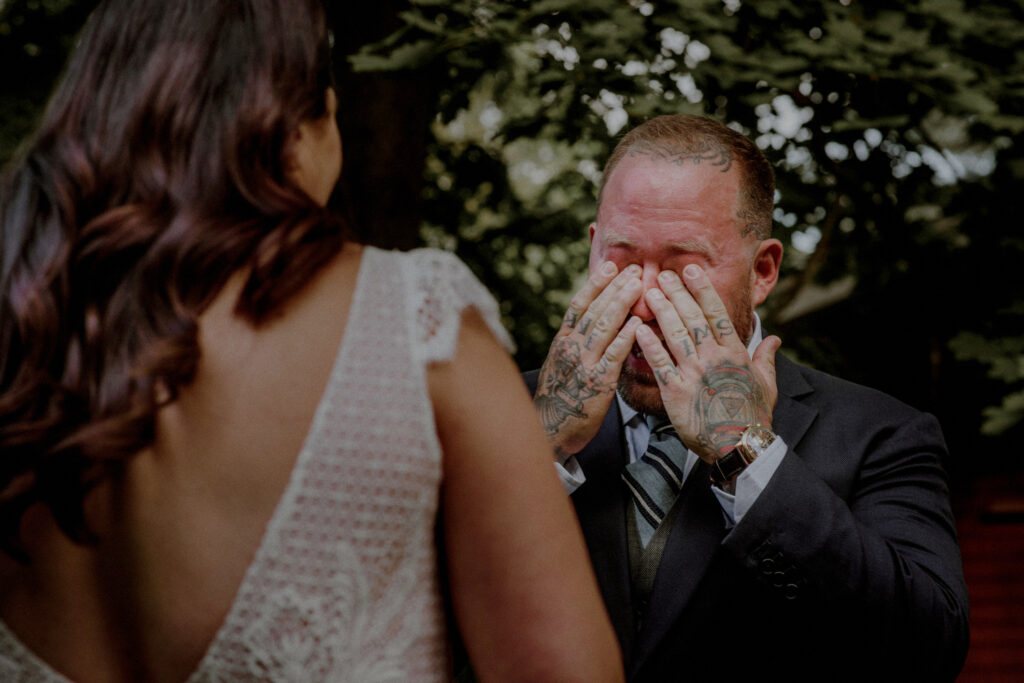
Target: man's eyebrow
689, 246
615, 241
676, 247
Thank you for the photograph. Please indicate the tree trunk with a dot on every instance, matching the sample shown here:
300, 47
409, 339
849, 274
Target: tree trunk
384, 119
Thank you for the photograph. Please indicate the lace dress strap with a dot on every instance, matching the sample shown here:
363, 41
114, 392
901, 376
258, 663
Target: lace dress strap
441, 287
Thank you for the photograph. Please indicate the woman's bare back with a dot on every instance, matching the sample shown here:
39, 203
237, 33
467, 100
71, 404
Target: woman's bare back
180, 528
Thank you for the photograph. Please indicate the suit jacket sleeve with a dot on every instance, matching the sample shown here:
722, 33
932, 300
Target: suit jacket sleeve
856, 523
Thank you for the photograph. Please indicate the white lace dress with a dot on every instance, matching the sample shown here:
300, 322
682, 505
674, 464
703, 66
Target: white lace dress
344, 586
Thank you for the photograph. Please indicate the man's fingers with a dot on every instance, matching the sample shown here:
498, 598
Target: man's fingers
677, 335
657, 357
619, 348
689, 310
714, 311
596, 283
611, 302
607, 315
764, 357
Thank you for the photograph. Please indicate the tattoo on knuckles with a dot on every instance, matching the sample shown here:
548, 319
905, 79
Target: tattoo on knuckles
699, 333
666, 374
682, 338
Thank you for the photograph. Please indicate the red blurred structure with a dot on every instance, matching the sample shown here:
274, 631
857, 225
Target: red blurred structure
991, 524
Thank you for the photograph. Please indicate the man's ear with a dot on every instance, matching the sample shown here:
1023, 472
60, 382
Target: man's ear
765, 273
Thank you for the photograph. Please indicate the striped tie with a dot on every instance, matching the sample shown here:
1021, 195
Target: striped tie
656, 478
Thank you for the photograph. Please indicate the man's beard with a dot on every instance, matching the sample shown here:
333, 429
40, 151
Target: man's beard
640, 392
639, 388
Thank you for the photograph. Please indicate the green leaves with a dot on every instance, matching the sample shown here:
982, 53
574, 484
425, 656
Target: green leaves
895, 130
856, 104
404, 56
1005, 360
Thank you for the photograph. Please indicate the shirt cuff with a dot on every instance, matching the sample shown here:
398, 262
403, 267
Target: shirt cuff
570, 474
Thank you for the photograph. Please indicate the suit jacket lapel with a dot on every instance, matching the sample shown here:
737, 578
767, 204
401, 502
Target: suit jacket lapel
792, 418
600, 507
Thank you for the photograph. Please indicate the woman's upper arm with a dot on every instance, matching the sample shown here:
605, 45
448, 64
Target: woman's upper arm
522, 587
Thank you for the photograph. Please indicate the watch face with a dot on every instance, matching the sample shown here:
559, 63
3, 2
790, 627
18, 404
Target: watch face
758, 438
753, 442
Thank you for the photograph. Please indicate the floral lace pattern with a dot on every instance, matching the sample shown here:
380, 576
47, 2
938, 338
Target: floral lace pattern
283, 644
345, 584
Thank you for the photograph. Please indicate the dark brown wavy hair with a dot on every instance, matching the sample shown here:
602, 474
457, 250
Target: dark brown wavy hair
156, 173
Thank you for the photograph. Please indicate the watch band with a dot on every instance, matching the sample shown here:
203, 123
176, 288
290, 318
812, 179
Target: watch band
729, 466
753, 442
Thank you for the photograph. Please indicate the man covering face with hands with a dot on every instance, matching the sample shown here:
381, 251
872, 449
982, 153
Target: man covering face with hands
746, 516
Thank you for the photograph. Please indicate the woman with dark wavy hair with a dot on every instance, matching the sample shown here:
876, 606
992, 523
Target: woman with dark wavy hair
224, 426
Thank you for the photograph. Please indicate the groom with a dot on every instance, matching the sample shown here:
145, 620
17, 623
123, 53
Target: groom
748, 518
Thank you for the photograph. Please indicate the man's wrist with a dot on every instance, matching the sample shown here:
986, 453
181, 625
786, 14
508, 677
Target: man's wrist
753, 442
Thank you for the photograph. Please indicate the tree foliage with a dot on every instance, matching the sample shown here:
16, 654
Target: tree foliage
35, 38
895, 131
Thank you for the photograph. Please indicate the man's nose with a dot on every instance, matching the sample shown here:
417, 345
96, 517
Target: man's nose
649, 278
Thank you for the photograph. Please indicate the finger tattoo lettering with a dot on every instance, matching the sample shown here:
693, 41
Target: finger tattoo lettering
699, 333
666, 374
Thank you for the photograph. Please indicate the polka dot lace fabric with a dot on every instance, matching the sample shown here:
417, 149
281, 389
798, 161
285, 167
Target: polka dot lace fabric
344, 586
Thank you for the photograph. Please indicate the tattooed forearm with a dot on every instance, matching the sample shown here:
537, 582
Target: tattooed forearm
730, 399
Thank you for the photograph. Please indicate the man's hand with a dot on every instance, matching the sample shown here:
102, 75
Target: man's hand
578, 379
710, 387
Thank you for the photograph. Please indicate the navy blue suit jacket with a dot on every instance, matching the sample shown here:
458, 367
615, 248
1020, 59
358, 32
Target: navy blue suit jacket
846, 568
